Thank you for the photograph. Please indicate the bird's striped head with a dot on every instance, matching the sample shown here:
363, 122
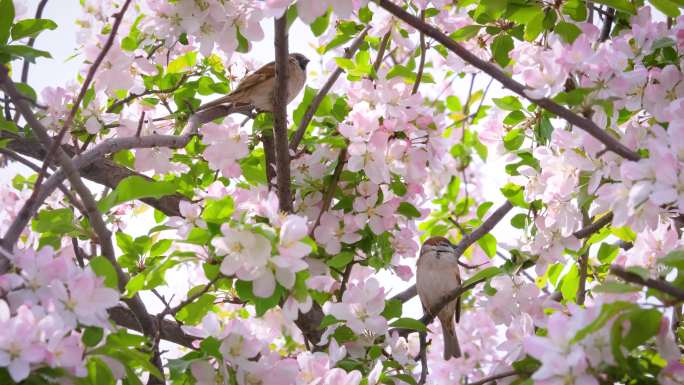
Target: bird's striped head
439, 244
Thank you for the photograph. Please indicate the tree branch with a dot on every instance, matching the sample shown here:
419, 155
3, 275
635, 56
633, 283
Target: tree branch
31, 42
494, 378
118, 17
330, 192
89, 203
269, 158
656, 284
583, 123
170, 331
108, 146
318, 99
280, 115
423, 52
607, 24
594, 227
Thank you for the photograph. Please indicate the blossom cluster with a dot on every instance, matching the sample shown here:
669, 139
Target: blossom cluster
43, 307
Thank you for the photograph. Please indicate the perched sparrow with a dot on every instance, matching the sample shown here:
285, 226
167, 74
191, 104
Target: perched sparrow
437, 276
257, 88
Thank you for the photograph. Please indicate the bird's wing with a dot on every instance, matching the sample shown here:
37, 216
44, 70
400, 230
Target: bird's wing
250, 81
257, 77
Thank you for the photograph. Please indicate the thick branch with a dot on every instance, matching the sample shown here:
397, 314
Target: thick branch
585, 124
108, 146
656, 284
318, 99
280, 115
170, 331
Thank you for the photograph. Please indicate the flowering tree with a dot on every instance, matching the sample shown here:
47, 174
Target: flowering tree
264, 235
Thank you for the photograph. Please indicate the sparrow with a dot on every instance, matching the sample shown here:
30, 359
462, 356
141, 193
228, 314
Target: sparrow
438, 275
257, 88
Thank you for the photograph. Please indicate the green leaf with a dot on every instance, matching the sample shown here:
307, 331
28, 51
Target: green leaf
327, 321
453, 103
409, 323
608, 311
24, 51
568, 31
218, 211
92, 336
486, 273
483, 209
182, 63
534, 27
99, 372
624, 233
674, 258
393, 309
621, 5
193, 313
667, 7
104, 268
615, 287
341, 260
607, 253
508, 103
408, 210
57, 221
136, 187
514, 139
320, 24
31, 28
465, 33
576, 9
643, 324
6, 19
501, 46
488, 244
570, 284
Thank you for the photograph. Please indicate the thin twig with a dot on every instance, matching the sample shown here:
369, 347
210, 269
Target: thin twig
190, 299
494, 378
423, 358
330, 191
589, 230
31, 42
318, 99
118, 17
381, 50
74, 201
581, 122
423, 52
607, 24
269, 158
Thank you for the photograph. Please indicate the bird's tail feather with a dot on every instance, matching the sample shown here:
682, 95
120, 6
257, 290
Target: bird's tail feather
451, 345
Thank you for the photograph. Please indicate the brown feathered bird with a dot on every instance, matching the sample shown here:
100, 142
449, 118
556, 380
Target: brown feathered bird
257, 88
437, 276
